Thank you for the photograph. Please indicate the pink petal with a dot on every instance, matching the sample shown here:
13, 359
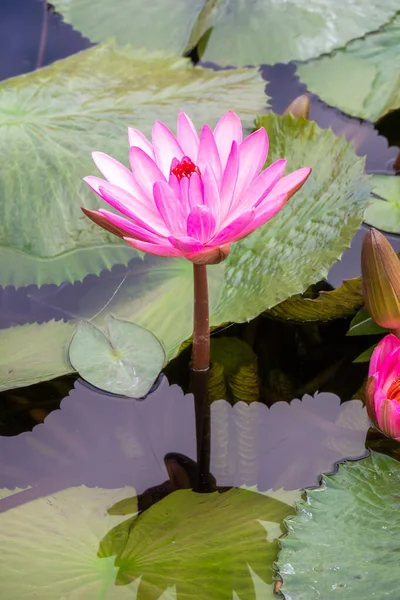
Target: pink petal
136, 138
389, 343
234, 230
211, 194
170, 208
184, 194
145, 171
292, 182
200, 223
186, 244
269, 210
165, 147
389, 418
227, 130
252, 156
389, 370
188, 137
196, 191
116, 173
156, 249
208, 153
131, 207
132, 229
229, 179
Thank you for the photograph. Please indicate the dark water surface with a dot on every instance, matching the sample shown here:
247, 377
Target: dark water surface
101, 440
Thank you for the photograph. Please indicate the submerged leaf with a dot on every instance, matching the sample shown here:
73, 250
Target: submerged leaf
125, 360
44, 236
345, 537
233, 372
362, 78
202, 543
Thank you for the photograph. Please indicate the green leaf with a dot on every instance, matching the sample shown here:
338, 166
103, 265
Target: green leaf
125, 360
54, 542
204, 544
242, 32
363, 324
49, 129
6, 493
234, 371
366, 355
385, 214
344, 541
362, 78
32, 353
338, 303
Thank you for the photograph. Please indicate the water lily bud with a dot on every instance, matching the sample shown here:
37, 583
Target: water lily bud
380, 270
300, 107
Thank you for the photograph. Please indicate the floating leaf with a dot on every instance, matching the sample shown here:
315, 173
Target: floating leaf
385, 214
234, 371
125, 360
204, 544
362, 78
345, 538
32, 353
362, 324
54, 542
7, 493
44, 236
341, 302
238, 33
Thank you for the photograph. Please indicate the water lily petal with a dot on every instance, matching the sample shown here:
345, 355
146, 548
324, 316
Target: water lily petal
384, 348
156, 249
211, 194
116, 173
131, 229
145, 172
99, 219
201, 223
389, 418
292, 182
188, 137
229, 179
196, 190
184, 194
170, 208
137, 138
165, 146
186, 244
234, 230
269, 210
208, 153
227, 130
252, 156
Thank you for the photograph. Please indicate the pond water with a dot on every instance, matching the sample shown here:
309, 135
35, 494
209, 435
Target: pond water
64, 433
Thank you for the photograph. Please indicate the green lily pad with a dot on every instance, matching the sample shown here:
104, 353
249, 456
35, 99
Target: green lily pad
6, 493
54, 542
32, 353
281, 259
203, 544
125, 360
363, 324
385, 214
338, 303
344, 541
238, 33
44, 236
362, 78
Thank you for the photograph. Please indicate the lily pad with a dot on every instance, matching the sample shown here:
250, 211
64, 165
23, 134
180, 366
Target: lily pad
203, 544
237, 32
31, 353
54, 542
385, 214
345, 538
362, 79
44, 236
125, 360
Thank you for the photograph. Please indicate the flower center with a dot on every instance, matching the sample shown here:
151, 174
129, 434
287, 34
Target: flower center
393, 392
184, 168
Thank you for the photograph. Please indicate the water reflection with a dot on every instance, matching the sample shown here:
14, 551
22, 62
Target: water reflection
102, 440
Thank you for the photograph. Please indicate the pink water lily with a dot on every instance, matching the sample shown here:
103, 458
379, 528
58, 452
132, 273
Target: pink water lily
192, 196
383, 387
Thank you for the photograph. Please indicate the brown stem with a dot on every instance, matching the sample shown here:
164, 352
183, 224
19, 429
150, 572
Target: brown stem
201, 323
202, 412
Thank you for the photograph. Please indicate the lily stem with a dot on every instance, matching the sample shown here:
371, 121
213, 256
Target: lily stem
201, 321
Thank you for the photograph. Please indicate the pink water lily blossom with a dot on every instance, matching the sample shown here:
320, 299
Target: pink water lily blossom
383, 386
192, 195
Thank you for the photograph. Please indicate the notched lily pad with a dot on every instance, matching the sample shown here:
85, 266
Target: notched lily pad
125, 360
384, 213
344, 541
